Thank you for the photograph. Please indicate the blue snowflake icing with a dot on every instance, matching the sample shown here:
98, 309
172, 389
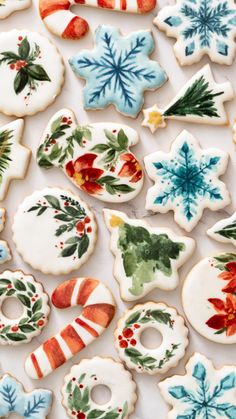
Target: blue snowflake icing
206, 395
204, 26
118, 70
13, 399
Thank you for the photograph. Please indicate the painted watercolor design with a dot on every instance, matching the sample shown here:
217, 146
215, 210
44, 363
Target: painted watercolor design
186, 180
224, 230
96, 158
118, 70
33, 405
5, 253
203, 392
201, 27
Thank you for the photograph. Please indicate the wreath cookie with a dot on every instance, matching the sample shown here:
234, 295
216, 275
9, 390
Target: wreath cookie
35, 308
151, 315
60, 228
78, 384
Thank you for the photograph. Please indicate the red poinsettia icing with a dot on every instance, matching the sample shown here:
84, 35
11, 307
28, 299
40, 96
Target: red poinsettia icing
131, 168
225, 321
229, 275
84, 174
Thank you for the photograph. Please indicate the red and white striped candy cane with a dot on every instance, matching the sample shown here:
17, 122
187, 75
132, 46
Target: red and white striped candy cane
98, 311
62, 22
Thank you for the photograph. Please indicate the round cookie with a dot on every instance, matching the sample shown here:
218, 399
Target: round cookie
90, 373
151, 315
31, 72
54, 231
209, 298
34, 303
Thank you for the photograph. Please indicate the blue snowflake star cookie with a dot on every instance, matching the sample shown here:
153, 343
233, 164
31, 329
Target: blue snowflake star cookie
118, 70
13, 399
201, 27
203, 393
186, 180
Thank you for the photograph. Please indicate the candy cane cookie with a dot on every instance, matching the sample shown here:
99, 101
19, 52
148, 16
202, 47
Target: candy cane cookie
165, 320
78, 385
98, 311
62, 22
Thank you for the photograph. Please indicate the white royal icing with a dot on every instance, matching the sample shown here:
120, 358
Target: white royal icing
9, 6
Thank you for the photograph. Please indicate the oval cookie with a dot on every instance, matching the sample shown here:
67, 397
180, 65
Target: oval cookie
54, 231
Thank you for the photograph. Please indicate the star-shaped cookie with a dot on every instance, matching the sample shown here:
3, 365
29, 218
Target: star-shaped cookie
118, 70
201, 27
7, 7
186, 180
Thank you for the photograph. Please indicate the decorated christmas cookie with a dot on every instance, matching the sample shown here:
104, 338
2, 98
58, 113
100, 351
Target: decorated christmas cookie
118, 70
31, 405
151, 315
54, 231
89, 373
201, 27
14, 157
5, 253
187, 180
209, 298
34, 304
31, 72
95, 157
98, 311
62, 22
145, 257
201, 100
203, 392
7, 7
225, 230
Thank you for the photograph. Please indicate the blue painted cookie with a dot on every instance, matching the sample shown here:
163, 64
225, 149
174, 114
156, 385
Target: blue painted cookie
118, 70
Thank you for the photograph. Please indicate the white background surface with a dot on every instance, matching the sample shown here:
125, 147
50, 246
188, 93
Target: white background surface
150, 404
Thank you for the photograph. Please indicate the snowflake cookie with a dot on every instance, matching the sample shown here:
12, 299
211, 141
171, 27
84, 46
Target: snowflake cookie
31, 72
54, 231
203, 392
5, 253
224, 231
201, 27
95, 157
31, 405
89, 373
98, 311
145, 257
14, 157
209, 298
61, 21
7, 7
201, 100
167, 322
186, 180
118, 70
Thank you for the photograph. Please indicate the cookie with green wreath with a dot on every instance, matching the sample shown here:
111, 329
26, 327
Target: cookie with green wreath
34, 303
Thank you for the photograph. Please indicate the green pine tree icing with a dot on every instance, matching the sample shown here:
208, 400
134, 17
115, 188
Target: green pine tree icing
144, 253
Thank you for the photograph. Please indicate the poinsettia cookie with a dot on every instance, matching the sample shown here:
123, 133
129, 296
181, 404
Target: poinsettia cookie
165, 320
118, 70
187, 180
14, 157
31, 72
98, 311
89, 373
95, 157
61, 21
201, 27
7, 7
5, 253
54, 231
224, 231
34, 304
201, 101
35, 404
203, 392
209, 298
145, 257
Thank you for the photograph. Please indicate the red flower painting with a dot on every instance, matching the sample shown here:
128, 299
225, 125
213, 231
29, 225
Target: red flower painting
225, 320
131, 168
229, 275
84, 174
